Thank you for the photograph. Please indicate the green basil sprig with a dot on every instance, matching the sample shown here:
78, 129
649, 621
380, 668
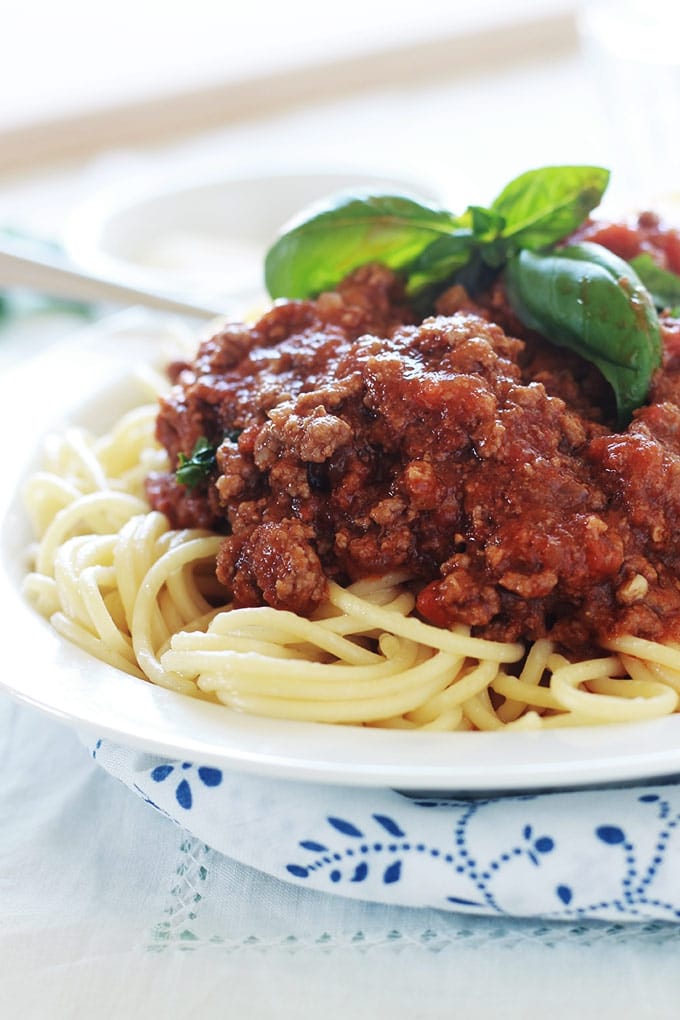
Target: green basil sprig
587, 299
582, 297
661, 284
543, 206
195, 470
336, 237
426, 244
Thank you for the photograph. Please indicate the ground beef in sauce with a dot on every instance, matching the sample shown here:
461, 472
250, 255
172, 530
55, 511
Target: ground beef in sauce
353, 441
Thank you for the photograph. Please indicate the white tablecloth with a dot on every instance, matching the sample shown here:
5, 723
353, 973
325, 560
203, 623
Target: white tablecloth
109, 909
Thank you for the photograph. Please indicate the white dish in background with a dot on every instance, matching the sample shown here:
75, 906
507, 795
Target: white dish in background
41, 668
204, 238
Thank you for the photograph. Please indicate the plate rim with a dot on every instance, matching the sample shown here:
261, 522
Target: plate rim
97, 700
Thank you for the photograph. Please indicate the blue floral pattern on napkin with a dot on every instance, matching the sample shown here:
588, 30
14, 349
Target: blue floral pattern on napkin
609, 854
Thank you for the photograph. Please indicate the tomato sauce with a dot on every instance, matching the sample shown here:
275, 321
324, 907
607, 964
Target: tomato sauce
353, 440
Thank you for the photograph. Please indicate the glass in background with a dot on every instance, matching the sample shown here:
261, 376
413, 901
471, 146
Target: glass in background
633, 50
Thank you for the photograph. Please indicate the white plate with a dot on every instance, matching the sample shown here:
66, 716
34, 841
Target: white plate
41, 668
205, 237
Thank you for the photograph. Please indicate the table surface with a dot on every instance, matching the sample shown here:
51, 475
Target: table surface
90, 879
109, 909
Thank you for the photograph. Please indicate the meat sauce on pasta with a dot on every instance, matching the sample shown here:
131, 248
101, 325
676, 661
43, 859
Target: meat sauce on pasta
354, 439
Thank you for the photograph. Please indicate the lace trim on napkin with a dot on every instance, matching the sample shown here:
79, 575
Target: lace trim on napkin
183, 927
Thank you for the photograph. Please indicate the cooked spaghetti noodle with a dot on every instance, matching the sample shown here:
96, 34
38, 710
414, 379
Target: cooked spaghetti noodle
115, 579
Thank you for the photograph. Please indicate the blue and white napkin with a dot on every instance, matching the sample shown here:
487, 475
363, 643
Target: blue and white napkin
610, 854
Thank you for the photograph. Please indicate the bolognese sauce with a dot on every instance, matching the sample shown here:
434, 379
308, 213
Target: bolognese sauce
354, 440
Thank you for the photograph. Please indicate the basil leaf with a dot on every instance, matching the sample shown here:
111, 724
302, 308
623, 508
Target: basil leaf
333, 238
440, 260
194, 470
449, 254
661, 284
488, 227
584, 298
495, 253
317, 253
486, 224
543, 206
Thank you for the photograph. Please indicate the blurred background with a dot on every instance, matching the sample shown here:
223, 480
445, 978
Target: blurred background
103, 109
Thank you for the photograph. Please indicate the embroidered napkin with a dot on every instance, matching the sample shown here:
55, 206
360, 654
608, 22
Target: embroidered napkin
610, 854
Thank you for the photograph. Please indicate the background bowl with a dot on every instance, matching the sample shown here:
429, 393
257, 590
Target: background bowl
203, 238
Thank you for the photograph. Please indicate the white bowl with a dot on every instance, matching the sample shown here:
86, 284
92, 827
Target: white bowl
202, 238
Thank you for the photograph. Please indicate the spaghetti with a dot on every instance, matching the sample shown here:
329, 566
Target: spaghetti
114, 578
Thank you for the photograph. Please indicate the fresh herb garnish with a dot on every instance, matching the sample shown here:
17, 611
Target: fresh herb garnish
581, 298
195, 470
543, 206
315, 254
426, 244
587, 299
661, 284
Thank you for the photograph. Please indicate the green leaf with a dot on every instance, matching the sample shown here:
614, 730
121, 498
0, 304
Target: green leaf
426, 244
315, 254
495, 253
195, 470
440, 260
486, 224
661, 284
587, 299
488, 227
543, 206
